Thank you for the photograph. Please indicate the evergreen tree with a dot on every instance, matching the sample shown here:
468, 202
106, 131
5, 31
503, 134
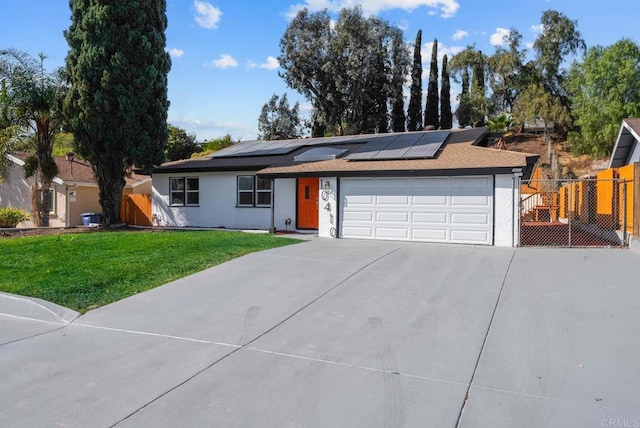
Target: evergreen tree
478, 92
446, 117
414, 113
117, 103
431, 109
463, 112
400, 66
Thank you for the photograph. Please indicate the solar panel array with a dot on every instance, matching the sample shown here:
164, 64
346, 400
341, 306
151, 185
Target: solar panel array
418, 145
379, 146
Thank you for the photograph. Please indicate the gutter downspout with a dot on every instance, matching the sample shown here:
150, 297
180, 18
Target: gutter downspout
272, 226
515, 213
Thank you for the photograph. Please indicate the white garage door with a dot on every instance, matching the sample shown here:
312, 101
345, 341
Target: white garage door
430, 209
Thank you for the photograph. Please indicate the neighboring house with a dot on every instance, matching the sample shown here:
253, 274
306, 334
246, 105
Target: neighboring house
74, 190
431, 186
627, 148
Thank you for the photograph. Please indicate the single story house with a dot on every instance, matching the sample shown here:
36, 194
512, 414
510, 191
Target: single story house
74, 190
430, 186
627, 148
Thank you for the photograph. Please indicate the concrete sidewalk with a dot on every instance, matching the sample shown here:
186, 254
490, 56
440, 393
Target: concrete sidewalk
345, 333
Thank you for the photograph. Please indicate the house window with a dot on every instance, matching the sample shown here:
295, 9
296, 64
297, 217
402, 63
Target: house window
254, 191
52, 200
184, 191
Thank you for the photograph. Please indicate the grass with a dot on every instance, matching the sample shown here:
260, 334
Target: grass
87, 270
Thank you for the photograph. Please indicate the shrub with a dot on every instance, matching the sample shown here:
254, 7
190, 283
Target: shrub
10, 217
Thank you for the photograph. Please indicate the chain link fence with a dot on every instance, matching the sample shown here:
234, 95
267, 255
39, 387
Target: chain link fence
574, 213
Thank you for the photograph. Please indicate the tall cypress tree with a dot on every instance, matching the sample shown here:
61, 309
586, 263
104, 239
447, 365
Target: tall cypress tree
463, 112
117, 104
431, 109
414, 113
478, 92
446, 117
400, 65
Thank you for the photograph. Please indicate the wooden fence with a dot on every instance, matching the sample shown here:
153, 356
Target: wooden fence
135, 209
601, 199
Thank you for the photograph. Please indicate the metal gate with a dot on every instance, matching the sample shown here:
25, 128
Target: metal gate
573, 213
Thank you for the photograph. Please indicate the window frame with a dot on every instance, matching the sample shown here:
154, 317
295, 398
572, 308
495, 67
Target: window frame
258, 187
52, 201
185, 191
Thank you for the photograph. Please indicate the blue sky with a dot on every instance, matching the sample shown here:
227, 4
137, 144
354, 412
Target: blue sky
223, 51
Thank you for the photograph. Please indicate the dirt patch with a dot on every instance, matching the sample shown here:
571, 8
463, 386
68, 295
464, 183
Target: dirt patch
569, 165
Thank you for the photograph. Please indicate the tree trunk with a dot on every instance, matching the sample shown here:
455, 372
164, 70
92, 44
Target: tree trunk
35, 205
44, 204
110, 184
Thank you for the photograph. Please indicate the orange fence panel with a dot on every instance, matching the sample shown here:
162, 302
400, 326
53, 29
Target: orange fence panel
607, 193
136, 209
628, 174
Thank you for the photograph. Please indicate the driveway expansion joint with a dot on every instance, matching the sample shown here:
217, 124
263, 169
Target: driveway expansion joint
246, 345
484, 340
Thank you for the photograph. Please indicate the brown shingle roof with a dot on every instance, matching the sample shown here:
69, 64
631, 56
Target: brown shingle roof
454, 158
81, 171
458, 155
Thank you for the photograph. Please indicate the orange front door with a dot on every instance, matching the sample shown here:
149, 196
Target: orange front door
308, 203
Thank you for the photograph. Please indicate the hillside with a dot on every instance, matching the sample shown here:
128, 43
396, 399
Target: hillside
568, 165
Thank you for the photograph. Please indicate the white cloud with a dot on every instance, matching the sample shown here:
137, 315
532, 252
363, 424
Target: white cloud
537, 29
446, 8
271, 63
176, 53
460, 34
499, 37
225, 61
207, 15
529, 45
210, 129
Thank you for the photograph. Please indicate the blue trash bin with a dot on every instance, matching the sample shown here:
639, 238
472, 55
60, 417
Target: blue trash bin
96, 218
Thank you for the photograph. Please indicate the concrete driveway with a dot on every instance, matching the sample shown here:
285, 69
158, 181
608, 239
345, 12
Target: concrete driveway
338, 333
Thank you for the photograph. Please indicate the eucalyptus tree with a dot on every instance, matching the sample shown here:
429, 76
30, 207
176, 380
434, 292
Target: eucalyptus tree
278, 120
508, 74
431, 116
117, 66
469, 66
180, 144
414, 113
558, 39
344, 70
31, 113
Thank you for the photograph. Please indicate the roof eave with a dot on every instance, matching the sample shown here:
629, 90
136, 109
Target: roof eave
396, 173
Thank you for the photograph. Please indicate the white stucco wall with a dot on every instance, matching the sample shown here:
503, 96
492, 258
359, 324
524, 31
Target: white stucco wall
506, 215
328, 208
15, 191
218, 203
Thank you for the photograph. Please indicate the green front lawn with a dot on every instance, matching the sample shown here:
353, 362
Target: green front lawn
86, 270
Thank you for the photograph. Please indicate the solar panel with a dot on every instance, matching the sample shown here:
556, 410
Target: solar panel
233, 150
372, 148
398, 147
427, 146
